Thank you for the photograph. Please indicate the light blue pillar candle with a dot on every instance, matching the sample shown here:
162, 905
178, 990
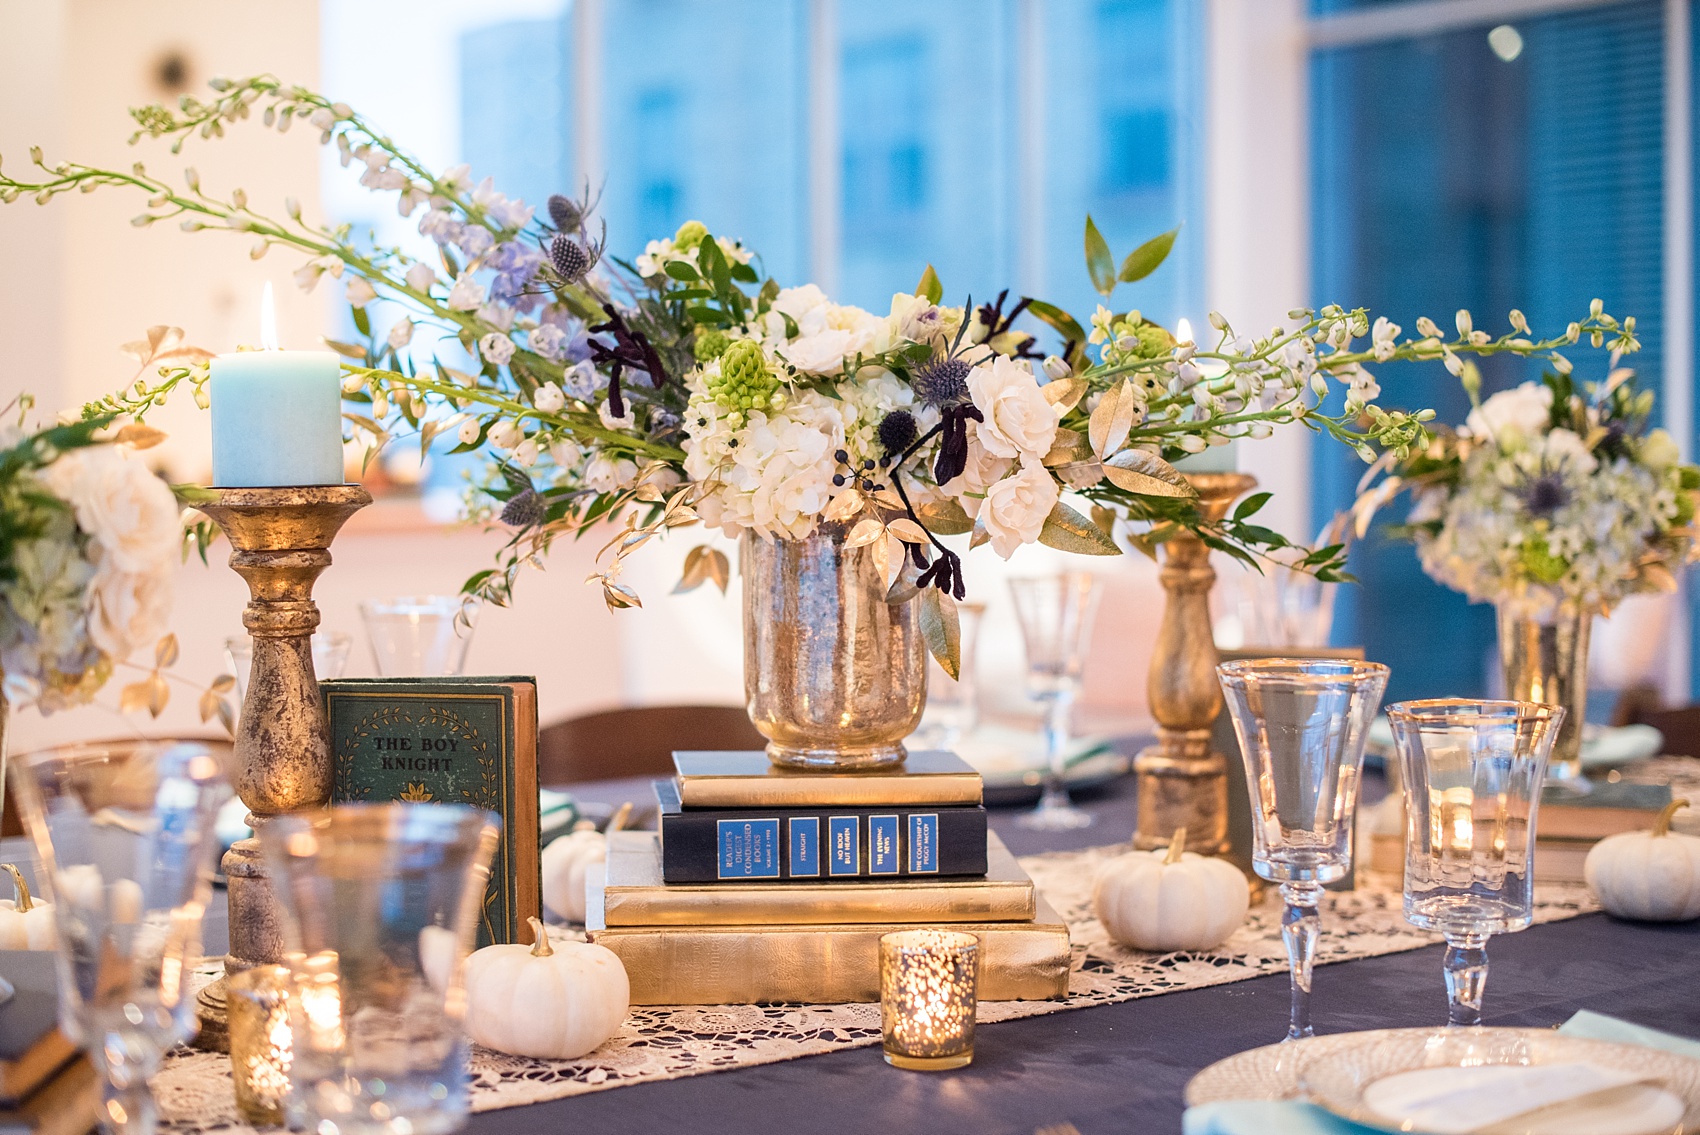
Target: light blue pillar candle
276, 419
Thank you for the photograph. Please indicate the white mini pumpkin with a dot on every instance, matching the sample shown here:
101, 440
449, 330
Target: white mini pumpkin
569, 859
550, 1003
1170, 900
1651, 876
25, 923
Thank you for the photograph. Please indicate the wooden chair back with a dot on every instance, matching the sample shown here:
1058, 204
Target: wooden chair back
637, 742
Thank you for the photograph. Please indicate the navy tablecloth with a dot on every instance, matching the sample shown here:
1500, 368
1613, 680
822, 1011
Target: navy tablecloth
1120, 1069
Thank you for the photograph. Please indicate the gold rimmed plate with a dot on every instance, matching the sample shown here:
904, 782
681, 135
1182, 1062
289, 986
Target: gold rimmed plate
1365, 1076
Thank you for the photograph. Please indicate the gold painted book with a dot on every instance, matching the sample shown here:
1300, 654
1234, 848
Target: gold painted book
452, 740
636, 896
738, 779
821, 965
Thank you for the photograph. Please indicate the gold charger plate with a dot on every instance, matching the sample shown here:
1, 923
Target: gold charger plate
1334, 1071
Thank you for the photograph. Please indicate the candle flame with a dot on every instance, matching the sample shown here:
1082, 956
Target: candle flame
268, 320
1183, 330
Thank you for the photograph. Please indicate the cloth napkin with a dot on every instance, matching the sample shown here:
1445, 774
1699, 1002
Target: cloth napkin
1283, 1117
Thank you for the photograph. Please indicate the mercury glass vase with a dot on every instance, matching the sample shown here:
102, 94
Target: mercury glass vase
1545, 661
835, 677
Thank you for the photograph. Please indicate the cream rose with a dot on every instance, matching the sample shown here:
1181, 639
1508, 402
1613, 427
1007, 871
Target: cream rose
1015, 508
128, 611
1512, 415
1019, 421
122, 506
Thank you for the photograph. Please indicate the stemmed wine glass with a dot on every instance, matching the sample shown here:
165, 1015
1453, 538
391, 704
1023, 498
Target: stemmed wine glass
1056, 613
1472, 772
124, 836
1302, 725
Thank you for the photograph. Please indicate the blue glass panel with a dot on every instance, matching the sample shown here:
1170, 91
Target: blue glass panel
1443, 177
704, 111
1124, 124
513, 104
926, 121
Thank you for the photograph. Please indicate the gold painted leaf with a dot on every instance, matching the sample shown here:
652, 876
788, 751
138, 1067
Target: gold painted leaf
980, 536
1142, 472
165, 652
695, 572
209, 704
139, 436
1112, 420
903, 587
907, 531
227, 717
224, 683
719, 569
944, 517
347, 350
619, 597
843, 506
866, 532
942, 629
1068, 446
1068, 531
1064, 393
133, 697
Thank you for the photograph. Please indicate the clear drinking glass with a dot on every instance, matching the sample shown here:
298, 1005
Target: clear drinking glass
1472, 774
419, 636
953, 704
381, 902
330, 657
124, 841
1302, 725
1056, 614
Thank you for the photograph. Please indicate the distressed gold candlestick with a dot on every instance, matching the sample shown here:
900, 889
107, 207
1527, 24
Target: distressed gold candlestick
281, 542
1182, 782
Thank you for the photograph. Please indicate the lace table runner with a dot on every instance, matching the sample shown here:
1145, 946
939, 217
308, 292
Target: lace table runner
194, 1088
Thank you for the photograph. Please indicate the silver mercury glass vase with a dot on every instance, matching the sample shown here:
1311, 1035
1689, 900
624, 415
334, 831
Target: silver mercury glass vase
1545, 660
834, 676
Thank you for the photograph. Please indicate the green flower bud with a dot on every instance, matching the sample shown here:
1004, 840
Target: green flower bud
1153, 341
690, 235
1541, 565
745, 380
710, 344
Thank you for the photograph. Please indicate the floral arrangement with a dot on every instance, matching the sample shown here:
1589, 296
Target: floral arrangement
1552, 495
685, 386
89, 541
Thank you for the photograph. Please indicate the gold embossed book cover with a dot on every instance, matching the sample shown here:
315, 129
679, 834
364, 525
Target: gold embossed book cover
450, 740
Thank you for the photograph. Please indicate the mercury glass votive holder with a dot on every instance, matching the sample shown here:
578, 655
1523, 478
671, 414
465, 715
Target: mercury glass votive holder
261, 1046
929, 981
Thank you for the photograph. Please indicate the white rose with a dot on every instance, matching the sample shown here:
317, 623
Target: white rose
605, 474
1019, 422
496, 348
127, 510
505, 435
915, 318
1513, 415
549, 398
1015, 508
128, 611
820, 353
1564, 447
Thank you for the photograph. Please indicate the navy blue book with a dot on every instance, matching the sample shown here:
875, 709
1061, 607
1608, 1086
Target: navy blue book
749, 845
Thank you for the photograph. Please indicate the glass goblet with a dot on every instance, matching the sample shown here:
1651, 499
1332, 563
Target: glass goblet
381, 904
419, 636
124, 836
1472, 774
1056, 614
1302, 724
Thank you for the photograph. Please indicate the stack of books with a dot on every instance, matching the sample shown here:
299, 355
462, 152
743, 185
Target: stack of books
46, 1086
767, 884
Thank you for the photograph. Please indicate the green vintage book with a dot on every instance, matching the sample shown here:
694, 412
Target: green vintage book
465, 740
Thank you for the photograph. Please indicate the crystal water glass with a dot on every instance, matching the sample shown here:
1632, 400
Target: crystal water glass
381, 903
419, 636
953, 704
124, 841
1302, 724
1472, 774
1056, 614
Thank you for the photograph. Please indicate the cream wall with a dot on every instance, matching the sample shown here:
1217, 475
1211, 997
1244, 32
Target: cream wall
78, 280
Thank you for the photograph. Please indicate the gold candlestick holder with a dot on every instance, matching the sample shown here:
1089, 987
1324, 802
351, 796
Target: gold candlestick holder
280, 540
1182, 782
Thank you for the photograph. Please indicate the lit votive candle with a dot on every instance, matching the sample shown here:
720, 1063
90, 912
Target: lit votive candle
929, 980
261, 1045
276, 415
